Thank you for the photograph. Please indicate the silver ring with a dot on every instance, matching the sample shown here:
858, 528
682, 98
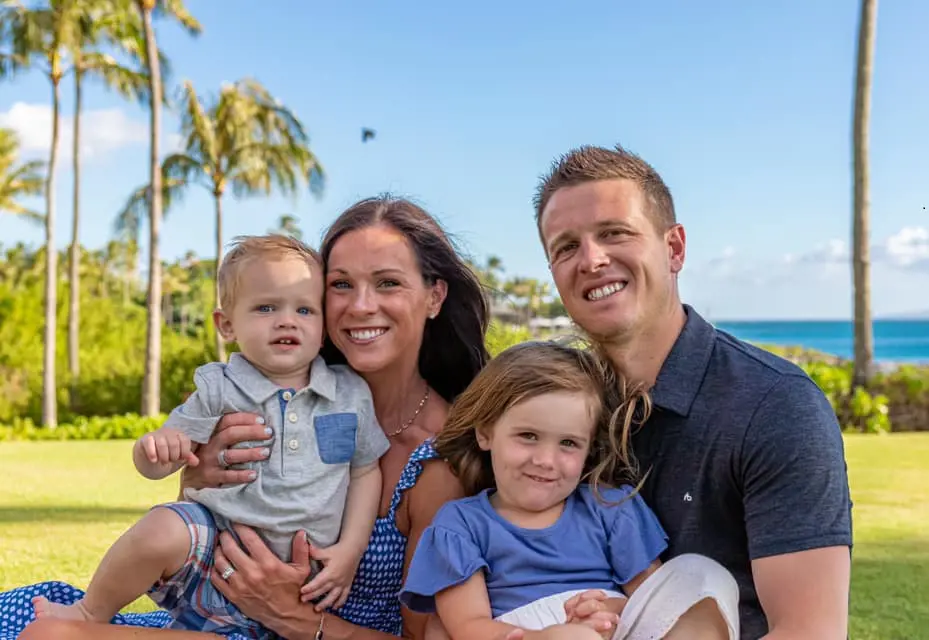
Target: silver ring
228, 571
221, 457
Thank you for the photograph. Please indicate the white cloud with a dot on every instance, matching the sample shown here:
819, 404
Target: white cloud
908, 248
102, 130
830, 252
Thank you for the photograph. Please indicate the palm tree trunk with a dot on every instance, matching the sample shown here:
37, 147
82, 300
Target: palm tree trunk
151, 386
74, 365
218, 196
49, 390
864, 338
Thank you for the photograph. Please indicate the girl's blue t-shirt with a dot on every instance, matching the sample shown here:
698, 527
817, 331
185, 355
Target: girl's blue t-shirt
592, 546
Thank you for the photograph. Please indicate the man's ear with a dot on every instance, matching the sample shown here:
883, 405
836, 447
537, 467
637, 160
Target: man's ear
677, 247
223, 325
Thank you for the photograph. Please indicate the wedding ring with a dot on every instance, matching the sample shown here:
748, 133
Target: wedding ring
228, 571
221, 457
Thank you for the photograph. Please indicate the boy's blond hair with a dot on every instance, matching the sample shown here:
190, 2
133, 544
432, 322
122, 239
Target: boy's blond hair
245, 249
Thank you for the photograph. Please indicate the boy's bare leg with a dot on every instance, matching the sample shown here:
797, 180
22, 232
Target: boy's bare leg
155, 547
703, 621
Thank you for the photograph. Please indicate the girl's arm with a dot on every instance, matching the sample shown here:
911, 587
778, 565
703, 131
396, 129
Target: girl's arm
465, 611
436, 486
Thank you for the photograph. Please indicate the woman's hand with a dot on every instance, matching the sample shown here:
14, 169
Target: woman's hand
263, 587
231, 429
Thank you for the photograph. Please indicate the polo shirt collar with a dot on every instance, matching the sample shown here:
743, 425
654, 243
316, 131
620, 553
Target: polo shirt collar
259, 389
685, 367
322, 379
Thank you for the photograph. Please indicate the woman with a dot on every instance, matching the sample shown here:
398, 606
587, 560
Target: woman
403, 310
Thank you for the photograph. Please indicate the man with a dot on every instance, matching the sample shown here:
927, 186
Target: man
744, 455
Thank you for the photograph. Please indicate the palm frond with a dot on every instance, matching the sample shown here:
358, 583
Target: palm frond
129, 83
129, 220
198, 128
176, 10
182, 169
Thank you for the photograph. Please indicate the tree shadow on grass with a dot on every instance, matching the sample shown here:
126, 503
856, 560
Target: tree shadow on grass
68, 514
889, 583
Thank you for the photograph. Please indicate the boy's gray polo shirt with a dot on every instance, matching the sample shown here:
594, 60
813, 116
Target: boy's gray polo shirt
746, 458
319, 433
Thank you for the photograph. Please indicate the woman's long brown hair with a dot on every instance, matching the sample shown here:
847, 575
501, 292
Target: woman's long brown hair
532, 369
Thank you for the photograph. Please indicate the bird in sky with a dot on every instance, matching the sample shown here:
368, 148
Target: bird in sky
367, 134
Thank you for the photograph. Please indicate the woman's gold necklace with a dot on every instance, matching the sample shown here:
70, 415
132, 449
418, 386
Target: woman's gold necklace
406, 425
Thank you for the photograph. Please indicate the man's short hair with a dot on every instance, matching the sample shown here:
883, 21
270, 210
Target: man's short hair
590, 163
271, 247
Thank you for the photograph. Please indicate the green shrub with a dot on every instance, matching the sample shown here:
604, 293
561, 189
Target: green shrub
124, 427
112, 357
894, 400
502, 336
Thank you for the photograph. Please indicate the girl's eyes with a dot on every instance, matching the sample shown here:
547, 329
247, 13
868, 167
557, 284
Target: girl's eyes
568, 443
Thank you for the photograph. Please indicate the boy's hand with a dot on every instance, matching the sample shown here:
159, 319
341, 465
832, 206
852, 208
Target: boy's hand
167, 445
340, 562
596, 610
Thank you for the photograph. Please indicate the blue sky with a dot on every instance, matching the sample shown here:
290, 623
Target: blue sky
744, 107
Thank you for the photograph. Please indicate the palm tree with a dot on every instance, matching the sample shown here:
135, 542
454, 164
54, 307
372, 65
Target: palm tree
17, 180
44, 35
861, 260
106, 26
151, 386
247, 141
289, 225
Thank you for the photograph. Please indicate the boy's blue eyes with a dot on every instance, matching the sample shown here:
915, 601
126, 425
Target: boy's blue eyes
267, 308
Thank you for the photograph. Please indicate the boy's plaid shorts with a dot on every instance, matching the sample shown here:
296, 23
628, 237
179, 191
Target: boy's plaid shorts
189, 596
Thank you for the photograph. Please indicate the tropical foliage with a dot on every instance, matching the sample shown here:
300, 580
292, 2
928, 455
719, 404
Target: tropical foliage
18, 180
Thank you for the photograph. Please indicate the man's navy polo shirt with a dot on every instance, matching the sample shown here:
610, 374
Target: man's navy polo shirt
744, 456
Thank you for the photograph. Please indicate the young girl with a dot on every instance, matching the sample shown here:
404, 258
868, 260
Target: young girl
545, 540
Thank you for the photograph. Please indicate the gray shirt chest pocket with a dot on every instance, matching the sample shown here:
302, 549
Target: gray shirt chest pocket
335, 436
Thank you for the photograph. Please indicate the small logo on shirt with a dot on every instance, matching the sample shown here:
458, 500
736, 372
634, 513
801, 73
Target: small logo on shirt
688, 497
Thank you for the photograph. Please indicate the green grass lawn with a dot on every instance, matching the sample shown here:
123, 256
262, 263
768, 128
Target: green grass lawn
63, 503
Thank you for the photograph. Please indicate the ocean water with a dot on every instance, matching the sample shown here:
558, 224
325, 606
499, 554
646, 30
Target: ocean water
894, 340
